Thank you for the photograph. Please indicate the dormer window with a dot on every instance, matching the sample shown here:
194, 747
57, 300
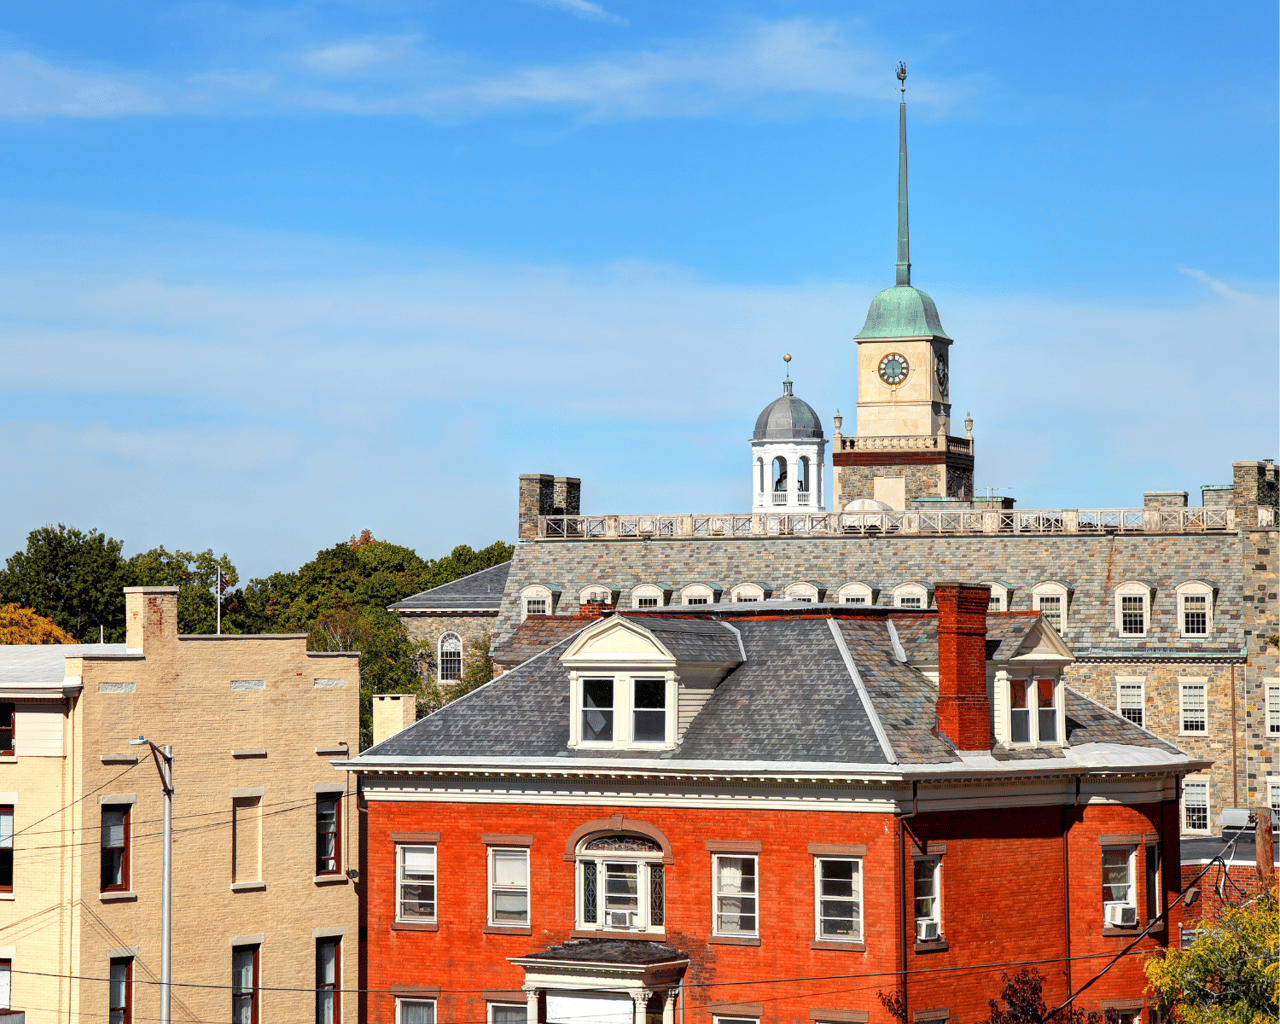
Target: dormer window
1033, 706
1133, 609
1195, 609
621, 884
1001, 594
596, 595
624, 711
697, 593
1050, 600
537, 600
646, 595
856, 593
804, 592
746, 593
911, 595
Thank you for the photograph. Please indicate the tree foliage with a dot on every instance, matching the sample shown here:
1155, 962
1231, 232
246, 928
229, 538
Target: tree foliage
20, 625
76, 579
1229, 975
195, 574
1023, 1004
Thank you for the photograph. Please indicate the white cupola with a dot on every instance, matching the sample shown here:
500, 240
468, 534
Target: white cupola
787, 455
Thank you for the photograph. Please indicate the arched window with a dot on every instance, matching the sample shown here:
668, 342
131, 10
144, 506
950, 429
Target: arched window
857, 593
804, 473
1195, 608
1001, 594
911, 595
802, 591
746, 593
697, 593
596, 595
536, 600
450, 657
1133, 608
646, 595
621, 883
1050, 599
780, 474
760, 472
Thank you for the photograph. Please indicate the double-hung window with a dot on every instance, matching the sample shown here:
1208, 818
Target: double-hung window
508, 886
735, 895
328, 829
928, 905
1195, 806
1133, 615
328, 981
1154, 896
244, 985
120, 991
6, 848
597, 710
838, 898
506, 1013
6, 983
1131, 700
115, 848
621, 884
7, 748
1033, 711
450, 657
1118, 889
416, 883
623, 711
1194, 710
415, 1011
649, 714
1273, 708
1195, 614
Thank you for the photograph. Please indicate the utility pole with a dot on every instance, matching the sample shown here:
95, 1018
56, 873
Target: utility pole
165, 768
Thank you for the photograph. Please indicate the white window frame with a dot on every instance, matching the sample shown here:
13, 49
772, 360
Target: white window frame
491, 1005
400, 882
440, 656
1201, 784
849, 591
1051, 588
697, 593
911, 590
1271, 791
746, 592
647, 592
1186, 684
801, 591
818, 896
536, 592
1195, 588
1271, 724
1132, 684
597, 592
722, 1019
595, 860
624, 708
1000, 596
1131, 858
1034, 739
936, 910
401, 1000
717, 895
493, 888
1131, 590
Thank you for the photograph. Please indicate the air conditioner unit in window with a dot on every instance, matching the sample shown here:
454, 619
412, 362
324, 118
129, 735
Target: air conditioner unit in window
926, 931
1121, 914
622, 918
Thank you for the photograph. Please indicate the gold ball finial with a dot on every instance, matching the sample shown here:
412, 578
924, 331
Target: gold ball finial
787, 358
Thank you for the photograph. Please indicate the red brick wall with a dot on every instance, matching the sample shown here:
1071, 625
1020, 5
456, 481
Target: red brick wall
1002, 902
964, 711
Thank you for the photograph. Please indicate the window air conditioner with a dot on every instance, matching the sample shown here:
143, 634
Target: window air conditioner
926, 931
622, 919
1121, 914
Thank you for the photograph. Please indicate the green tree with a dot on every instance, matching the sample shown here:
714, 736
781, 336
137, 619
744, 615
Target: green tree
195, 574
1229, 975
1023, 1004
76, 579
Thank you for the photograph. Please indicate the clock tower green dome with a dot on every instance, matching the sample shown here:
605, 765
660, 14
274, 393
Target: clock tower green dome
902, 312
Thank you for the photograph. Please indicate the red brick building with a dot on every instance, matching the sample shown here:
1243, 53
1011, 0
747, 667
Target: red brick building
767, 813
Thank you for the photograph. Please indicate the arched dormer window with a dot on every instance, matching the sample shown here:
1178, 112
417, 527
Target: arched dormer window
857, 593
746, 593
621, 884
597, 594
1050, 599
911, 595
1133, 608
697, 593
646, 595
1001, 595
536, 599
801, 591
450, 660
1195, 608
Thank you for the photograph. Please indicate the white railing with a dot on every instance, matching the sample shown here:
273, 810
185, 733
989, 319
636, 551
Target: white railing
842, 524
779, 497
802, 497
907, 442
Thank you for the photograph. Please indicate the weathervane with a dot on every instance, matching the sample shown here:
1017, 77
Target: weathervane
902, 75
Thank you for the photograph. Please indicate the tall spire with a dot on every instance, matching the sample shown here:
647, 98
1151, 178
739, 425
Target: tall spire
904, 243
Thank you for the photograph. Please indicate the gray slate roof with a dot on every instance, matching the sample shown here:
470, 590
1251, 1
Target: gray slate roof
35, 664
792, 700
481, 589
609, 951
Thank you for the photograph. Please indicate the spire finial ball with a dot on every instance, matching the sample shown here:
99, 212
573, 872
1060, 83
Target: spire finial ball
787, 358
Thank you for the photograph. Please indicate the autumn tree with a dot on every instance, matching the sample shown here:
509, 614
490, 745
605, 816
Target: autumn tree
1023, 1004
76, 579
20, 625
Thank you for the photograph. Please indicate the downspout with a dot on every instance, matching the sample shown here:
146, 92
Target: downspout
1067, 814
1235, 771
902, 890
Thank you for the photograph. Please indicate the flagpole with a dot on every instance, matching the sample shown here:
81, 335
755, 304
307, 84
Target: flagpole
218, 587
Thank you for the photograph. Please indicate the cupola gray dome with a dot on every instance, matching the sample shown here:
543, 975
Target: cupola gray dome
787, 418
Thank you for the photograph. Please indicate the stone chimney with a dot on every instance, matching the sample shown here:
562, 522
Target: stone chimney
1254, 484
1164, 499
566, 496
536, 499
392, 713
964, 709
150, 617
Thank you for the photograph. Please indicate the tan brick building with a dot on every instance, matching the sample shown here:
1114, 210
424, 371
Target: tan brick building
265, 836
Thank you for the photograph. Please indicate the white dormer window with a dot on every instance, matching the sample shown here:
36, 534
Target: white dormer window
596, 595
536, 600
911, 595
646, 595
805, 592
1050, 600
697, 593
856, 593
1195, 609
1000, 597
1133, 609
1035, 711
624, 710
746, 593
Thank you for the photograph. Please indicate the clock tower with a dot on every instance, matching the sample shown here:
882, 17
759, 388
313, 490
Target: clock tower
903, 447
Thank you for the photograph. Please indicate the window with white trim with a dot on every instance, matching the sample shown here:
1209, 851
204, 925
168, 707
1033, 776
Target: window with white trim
536, 600
837, 883
697, 593
1033, 711
1273, 801
450, 660
746, 593
120, 991
1151, 860
856, 593
508, 886
416, 883
928, 904
595, 595
1273, 707
802, 591
415, 1011
717, 1019
1131, 699
623, 711
1118, 889
1195, 609
999, 597
1133, 609
910, 595
1050, 600
1195, 805
6, 984
506, 1013
6, 848
1193, 714
736, 904
646, 595
621, 884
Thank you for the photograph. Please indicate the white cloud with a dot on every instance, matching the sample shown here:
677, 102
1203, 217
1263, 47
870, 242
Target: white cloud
580, 9
30, 87
354, 57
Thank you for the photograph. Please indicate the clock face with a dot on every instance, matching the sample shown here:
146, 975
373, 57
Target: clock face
894, 368
942, 373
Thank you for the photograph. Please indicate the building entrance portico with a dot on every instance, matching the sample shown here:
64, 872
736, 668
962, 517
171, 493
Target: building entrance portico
603, 981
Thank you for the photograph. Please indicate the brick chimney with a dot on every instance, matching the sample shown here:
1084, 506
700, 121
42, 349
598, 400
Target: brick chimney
392, 713
594, 610
964, 710
150, 617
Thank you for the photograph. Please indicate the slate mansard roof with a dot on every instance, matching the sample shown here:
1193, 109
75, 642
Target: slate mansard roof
804, 687
481, 591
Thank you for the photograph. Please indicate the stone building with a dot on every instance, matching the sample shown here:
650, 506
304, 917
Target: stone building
446, 618
265, 830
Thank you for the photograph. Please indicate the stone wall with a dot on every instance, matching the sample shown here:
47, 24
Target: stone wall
1164, 499
853, 482
1260, 624
537, 498
430, 628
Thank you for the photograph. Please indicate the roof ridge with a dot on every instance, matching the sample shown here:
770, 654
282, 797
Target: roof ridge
876, 725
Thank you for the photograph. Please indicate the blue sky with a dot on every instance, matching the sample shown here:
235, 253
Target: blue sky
271, 274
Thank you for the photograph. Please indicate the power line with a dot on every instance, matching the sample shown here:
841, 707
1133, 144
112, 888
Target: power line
66, 807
